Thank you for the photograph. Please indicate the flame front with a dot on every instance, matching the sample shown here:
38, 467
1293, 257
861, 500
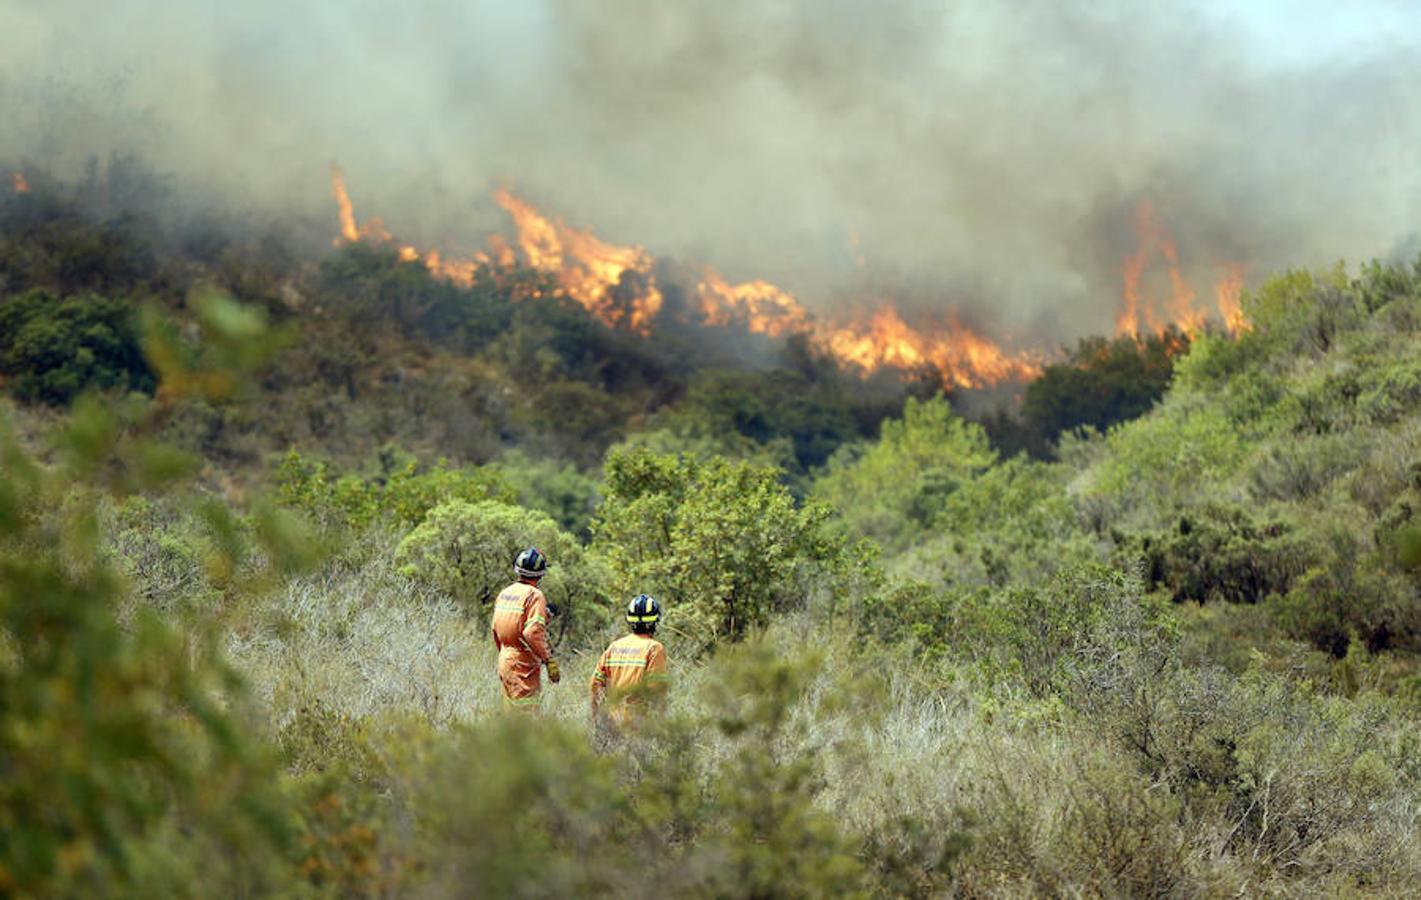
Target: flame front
618, 285
18, 182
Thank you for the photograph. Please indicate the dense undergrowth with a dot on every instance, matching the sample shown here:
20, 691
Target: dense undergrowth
244, 599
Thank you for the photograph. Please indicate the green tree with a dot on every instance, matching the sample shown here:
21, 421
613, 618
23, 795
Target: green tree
723, 541
403, 495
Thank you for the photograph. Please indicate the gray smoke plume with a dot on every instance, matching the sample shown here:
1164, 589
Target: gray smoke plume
983, 155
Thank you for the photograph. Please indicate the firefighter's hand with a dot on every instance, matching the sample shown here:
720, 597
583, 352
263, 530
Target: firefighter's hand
554, 673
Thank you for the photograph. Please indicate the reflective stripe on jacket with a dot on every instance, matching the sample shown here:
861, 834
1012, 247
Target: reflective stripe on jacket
630, 666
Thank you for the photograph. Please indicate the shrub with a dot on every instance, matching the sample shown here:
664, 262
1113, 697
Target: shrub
403, 495
166, 554
1297, 468
1348, 592
51, 350
128, 765
1104, 382
1163, 463
551, 487
521, 809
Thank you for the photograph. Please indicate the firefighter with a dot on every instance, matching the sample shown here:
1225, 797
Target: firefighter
520, 632
632, 670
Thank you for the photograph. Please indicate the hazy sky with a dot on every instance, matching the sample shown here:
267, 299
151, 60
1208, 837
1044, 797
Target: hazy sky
988, 155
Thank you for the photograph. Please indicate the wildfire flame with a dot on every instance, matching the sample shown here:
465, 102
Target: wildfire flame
614, 283
618, 285
756, 306
965, 358
1179, 309
18, 182
1227, 293
348, 230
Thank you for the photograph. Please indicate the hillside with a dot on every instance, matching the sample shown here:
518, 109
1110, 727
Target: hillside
257, 501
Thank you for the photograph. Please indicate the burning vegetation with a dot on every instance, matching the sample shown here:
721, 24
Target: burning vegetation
622, 286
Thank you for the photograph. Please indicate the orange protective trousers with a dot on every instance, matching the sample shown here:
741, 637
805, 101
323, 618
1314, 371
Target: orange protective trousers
520, 632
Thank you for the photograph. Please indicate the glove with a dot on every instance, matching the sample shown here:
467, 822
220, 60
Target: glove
554, 673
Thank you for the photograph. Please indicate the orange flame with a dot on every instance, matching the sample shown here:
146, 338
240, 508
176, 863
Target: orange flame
756, 306
617, 284
1179, 309
965, 358
18, 182
614, 283
348, 230
1227, 292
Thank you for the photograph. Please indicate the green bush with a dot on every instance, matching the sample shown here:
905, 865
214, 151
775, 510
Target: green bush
1157, 466
166, 554
1349, 594
551, 487
1012, 524
51, 350
403, 494
1297, 467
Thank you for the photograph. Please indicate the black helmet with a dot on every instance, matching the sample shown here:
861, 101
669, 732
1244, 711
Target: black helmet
643, 613
531, 563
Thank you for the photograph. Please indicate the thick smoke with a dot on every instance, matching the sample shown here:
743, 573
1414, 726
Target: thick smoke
988, 155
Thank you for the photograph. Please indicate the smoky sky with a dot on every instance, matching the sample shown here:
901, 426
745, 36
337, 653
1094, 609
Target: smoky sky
987, 156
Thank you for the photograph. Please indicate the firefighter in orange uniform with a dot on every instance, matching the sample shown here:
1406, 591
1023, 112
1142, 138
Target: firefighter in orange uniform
520, 632
632, 670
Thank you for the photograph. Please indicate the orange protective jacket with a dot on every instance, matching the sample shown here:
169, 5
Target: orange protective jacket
631, 669
520, 632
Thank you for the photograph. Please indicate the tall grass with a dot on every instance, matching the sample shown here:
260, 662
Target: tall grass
913, 783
